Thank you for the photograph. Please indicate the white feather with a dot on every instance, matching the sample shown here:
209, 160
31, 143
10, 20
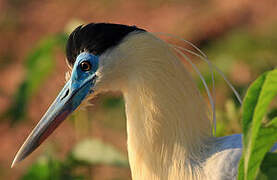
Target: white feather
168, 128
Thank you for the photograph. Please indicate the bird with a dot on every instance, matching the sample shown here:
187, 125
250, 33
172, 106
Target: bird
168, 126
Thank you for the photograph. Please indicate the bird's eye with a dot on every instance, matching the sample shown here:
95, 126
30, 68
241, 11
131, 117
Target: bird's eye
85, 66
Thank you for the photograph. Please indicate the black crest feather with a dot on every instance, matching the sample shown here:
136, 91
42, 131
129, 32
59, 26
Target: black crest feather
96, 38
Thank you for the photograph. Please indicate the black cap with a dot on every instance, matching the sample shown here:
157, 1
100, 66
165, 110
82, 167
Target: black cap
96, 38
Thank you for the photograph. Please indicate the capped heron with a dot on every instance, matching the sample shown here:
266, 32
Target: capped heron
169, 131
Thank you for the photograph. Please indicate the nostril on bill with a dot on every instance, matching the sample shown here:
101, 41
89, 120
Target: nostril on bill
66, 93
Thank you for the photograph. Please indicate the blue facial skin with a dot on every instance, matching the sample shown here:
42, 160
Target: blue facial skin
73, 93
81, 82
75, 90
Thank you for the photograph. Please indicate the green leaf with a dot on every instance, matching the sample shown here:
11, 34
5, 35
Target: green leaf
93, 152
258, 137
269, 167
272, 113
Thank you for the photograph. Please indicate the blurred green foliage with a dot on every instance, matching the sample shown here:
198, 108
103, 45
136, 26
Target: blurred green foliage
112, 102
85, 154
94, 151
258, 50
113, 108
229, 119
39, 64
47, 168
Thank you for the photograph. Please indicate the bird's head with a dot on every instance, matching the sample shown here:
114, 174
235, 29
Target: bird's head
94, 58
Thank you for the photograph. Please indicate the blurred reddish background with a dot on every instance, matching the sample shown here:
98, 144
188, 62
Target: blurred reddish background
24, 23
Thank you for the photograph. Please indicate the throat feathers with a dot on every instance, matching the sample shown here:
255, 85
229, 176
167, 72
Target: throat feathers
167, 123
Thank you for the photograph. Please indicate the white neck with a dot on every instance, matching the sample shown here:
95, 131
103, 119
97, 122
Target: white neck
166, 117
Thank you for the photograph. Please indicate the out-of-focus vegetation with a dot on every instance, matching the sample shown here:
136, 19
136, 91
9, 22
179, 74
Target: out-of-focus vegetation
249, 50
238, 37
85, 155
38, 64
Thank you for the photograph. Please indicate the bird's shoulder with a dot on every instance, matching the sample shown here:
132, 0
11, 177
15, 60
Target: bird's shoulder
223, 159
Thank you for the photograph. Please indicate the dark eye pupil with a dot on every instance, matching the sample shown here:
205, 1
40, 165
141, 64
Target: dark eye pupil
85, 66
